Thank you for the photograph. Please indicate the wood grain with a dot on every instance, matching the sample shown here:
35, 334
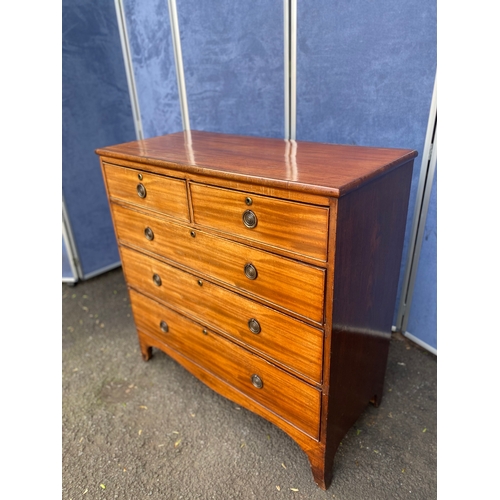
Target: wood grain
165, 195
242, 184
370, 233
294, 344
288, 397
294, 286
327, 249
310, 445
325, 169
294, 226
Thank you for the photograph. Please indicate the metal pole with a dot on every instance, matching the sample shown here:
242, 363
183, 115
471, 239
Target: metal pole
290, 66
427, 170
181, 84
293, 69
69, 241
129, 69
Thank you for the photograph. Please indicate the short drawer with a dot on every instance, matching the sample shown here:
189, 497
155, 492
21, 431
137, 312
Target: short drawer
291, 343
154, 192
287, 283
280, 392
296, 227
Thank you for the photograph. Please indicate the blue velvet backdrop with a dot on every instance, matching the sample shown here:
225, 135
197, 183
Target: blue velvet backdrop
233, 64
422, 320
365, 75
96, 112
148, 27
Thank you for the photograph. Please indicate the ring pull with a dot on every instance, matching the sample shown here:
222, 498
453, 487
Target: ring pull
250, 271
254, 326
257, 381
141, 190
249, 219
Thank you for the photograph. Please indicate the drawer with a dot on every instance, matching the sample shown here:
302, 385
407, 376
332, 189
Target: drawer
154, 192
292, 343
285, 395
292, 285
296, 227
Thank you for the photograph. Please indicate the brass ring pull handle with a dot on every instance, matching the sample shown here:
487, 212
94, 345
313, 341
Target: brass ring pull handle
257, 381
148, 232
164, 326
157, 279
250, 271
141, 190
254, 326
249, 219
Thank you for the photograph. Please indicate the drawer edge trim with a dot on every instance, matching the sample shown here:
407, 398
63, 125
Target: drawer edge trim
317, 383
214, 382
319, 324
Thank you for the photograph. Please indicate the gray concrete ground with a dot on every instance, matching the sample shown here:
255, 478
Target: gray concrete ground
136, 430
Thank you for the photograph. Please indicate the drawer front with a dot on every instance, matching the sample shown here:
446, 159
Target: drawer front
154, 192
295, 286
288, 397
292, 226
294, 344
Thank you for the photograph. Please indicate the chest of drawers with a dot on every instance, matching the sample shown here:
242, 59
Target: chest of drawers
267, 268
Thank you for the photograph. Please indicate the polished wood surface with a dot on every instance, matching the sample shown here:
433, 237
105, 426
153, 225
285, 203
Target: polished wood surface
295, 401
372, 219
327, 250
282, 339
294, 226
292, 285
370, 233
331, 170
162, 194
311, 447
240, 184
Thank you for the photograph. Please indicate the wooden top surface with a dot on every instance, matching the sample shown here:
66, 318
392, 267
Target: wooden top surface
325, 169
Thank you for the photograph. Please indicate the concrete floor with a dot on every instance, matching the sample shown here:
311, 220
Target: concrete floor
135, 430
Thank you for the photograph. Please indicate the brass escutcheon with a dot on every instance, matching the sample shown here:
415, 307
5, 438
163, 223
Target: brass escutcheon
257, 381
249, 219
141, 191
250, 271
254, 325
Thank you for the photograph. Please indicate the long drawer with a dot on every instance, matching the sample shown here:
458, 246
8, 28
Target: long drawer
292, 285
285, 395
154, 192
284, 224
292, 343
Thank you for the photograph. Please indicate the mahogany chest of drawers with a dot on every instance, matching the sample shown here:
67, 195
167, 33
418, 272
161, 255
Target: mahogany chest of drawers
267, 268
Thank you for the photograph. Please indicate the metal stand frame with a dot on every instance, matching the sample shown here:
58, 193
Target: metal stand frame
427, 171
